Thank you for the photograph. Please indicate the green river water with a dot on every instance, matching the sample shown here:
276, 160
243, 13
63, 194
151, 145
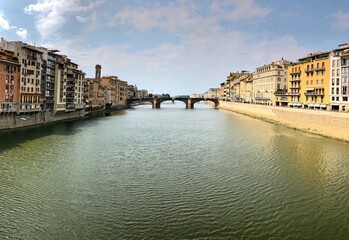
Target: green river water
172, 173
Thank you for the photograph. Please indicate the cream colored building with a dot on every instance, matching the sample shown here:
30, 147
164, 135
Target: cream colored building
267, 80
339, 89
212, 93
69, 86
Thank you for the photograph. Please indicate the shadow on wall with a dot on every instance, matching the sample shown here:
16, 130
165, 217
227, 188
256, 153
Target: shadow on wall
14, 137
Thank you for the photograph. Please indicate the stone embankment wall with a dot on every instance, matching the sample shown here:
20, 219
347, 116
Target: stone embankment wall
9, 121
326, 123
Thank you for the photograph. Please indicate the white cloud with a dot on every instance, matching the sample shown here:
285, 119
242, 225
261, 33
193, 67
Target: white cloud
82, 19
23, 33
4, 24
170, 18
184, 16
196, 63
237, 10
340, 21
51, 14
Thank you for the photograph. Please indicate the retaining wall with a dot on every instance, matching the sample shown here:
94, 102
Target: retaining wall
9, 121
321, 122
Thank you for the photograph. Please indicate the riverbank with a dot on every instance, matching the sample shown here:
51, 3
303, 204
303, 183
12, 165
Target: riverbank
325, 123
14, 121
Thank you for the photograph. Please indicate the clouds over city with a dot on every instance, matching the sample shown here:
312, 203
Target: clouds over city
340, 21
175, 43
5, 25
51, 15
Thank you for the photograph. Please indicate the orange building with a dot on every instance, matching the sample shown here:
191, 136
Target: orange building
309, 81
9, 81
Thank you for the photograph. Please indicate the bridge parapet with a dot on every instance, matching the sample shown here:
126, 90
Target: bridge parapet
156, 102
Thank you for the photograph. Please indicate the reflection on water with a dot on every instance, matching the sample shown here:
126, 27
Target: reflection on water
172, 173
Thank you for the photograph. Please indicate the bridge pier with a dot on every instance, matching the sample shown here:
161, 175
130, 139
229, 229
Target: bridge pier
189, 104
156, 103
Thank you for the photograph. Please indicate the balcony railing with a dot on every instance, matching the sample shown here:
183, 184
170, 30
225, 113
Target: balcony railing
314, 93
295, 87
309, 70
296, 73
320, 69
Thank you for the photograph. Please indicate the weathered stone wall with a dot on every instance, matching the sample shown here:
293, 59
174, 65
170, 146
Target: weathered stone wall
325, 123
9, 121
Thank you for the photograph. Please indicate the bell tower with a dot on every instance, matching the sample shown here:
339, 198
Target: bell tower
98, 71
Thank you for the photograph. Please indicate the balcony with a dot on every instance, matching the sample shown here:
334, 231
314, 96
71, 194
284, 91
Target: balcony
314, 94
320, 69
263, 98
281, 92
309, 70
295, 73
294, 94
295, 80
295, 87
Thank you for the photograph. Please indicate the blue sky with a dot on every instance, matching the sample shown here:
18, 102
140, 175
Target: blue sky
177, 47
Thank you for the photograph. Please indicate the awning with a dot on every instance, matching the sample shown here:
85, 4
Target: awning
309, 89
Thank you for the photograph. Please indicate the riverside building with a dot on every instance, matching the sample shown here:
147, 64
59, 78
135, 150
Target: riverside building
9, 81
30, 58
339, 89
69, 91
269, 79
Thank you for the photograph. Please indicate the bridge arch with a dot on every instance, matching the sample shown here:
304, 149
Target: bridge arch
196, 100
141, 100
156, 102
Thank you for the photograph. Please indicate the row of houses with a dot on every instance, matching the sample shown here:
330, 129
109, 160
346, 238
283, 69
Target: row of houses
318, 80
35, 79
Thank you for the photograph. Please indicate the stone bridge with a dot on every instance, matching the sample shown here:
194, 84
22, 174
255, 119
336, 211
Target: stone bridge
156, 102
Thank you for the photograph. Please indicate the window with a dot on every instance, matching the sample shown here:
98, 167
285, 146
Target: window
337, 72
333, 63
322, 81
317, 81
307, 82
311, 82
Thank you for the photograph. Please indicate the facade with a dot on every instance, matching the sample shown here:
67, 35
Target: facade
131, 91
69, 87
121, 92
106, 91
248, 89
9, 81
48, 78
339, 89
245, 88
142, 93
269, 79
30, 59
211, 93
238, 86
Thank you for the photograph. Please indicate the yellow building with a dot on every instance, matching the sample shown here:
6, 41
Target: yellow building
309, 81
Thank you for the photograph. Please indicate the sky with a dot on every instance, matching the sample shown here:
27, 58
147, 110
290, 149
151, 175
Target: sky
177, 46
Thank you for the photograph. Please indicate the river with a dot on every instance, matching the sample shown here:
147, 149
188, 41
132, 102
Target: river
172, 173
